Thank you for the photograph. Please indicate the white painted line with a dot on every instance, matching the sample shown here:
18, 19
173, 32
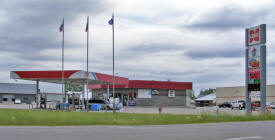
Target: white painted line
122, 127
135, 127
245, 138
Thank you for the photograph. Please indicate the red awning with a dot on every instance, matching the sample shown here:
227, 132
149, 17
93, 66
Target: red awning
70, 77
144, 84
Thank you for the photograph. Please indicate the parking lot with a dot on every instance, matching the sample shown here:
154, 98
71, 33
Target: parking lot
155, 110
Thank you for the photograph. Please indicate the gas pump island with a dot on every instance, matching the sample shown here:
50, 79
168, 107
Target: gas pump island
255, 64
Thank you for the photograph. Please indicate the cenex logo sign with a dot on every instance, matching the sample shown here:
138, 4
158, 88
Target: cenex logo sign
254, 35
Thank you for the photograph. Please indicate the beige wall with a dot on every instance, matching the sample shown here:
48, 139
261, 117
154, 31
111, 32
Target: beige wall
270, 93
229, 94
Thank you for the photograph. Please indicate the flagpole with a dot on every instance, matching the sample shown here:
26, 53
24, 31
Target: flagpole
114, 108
63, 64
87, 26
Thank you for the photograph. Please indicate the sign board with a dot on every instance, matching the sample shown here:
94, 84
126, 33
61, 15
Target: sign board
144, 93
171, 93
255, 39
256, 35
255, 95
254, 64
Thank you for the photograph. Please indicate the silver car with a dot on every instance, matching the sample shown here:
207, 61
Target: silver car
272, 105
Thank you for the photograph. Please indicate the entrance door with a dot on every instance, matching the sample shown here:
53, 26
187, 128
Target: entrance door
125, 100
118, 95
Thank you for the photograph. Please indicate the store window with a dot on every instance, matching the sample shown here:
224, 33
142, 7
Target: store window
132, 95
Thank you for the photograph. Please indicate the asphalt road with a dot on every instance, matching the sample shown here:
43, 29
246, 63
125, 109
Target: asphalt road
220, 131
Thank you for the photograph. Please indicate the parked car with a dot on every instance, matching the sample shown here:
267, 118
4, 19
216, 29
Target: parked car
256, 104
104, 104
17, 101
272, 105
132, 103
240, 104
118, 104
224, 104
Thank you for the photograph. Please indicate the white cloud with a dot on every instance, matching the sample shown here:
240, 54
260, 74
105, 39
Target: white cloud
182, 40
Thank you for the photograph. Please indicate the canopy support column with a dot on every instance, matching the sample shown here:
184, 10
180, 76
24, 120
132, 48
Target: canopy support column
83, 96
66, 95
37, 94
108, 91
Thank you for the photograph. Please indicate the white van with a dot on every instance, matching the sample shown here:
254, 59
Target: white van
17, 101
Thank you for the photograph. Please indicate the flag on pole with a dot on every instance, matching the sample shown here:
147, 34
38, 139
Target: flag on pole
111, 21
61, 28
87, 25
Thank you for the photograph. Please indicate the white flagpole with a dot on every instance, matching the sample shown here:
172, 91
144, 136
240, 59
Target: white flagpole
63, 64
87, 89
114, 108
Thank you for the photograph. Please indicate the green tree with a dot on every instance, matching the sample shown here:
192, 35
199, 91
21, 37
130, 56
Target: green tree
191, 94
74, 88
207, 92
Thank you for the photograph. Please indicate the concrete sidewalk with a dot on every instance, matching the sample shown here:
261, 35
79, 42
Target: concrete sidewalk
185, 110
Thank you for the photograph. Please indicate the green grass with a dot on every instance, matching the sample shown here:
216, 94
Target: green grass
59, 118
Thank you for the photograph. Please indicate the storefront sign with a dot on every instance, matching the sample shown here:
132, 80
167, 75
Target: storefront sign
171, 93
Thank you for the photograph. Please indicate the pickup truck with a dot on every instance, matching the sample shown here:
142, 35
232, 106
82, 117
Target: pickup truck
240, 104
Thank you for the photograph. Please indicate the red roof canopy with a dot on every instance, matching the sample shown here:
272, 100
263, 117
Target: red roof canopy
96, 80
70, 77
43, 74
144, 84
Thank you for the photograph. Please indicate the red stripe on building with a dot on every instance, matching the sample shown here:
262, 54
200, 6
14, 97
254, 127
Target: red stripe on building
143, 84
159, 84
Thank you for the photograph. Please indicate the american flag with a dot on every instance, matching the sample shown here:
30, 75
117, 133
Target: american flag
111, 21
87, 25
61, 28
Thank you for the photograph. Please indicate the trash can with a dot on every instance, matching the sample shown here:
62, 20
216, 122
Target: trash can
119, 106
95, 107
66, 106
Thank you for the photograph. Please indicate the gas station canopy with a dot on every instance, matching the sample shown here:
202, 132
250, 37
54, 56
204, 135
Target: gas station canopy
75, 77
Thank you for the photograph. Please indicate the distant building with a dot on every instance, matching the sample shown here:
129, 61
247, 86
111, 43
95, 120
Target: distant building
11, 91
230, 94
207, 100
25, 92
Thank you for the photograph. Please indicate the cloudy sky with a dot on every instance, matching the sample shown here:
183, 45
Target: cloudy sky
199, 41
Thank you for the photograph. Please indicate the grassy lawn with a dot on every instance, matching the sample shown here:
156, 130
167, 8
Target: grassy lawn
59, 118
